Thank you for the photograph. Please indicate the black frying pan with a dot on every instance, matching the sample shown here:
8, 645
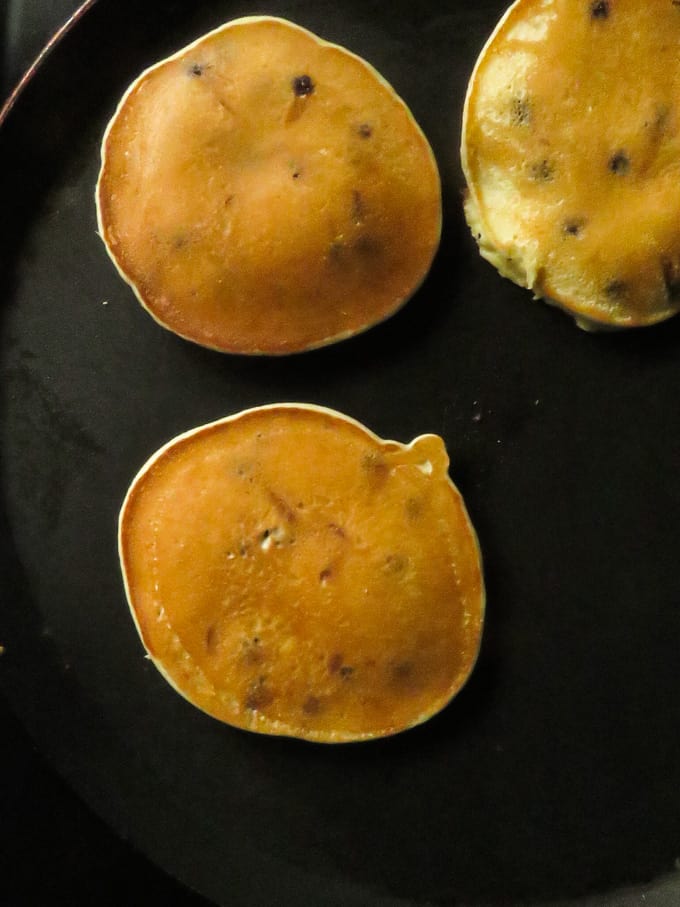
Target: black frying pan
555, 775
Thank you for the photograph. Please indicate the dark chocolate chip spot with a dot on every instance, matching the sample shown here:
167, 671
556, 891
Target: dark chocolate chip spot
283, 507
573, 226
335, 663
196, 69
296, 174
671, 278
395, 563
401, 671
599, 9
302, 86
346, 671
615, 289
520, 109
311, 705
252, 652
336, 250
211, 638
365, 131
259, 697
368, 245
619, 163
374, 464
542, 171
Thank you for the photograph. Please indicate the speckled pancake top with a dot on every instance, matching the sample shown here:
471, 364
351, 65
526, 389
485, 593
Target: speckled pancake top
265, 191
571, 149
291, 573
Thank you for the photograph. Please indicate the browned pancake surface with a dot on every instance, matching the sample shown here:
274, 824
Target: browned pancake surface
291, 573
571, 149
264, 191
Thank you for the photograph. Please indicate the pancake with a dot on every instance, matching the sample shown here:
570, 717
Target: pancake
571, 152
291, 573
265, 191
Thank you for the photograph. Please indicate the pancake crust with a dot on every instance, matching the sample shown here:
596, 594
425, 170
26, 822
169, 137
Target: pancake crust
265, 191
291, 573
571, 152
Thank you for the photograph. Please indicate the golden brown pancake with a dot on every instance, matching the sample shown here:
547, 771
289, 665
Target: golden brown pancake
571, 151
291, 573
264, 191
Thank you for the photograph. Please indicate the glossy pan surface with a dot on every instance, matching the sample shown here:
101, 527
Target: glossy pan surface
555, 775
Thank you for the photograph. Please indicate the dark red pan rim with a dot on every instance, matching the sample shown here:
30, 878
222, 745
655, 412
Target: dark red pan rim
44, 53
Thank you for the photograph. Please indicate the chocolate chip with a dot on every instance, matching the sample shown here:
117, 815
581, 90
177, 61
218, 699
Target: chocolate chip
211, 638
395, 563
615, 289
573, 226
252, 652
302, 85
311, 705
402, 670
282, 506
368, 245
542, 171
599, 9
671, 278
334, 663
259, 697
521, 111
374, 464
196, 69
366, 131
336, 250
619, 163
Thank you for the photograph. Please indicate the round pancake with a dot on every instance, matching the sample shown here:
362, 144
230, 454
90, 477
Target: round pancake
571, 151
265, 191
291, 573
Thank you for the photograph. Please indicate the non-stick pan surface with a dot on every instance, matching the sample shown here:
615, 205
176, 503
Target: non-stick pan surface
555, 775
